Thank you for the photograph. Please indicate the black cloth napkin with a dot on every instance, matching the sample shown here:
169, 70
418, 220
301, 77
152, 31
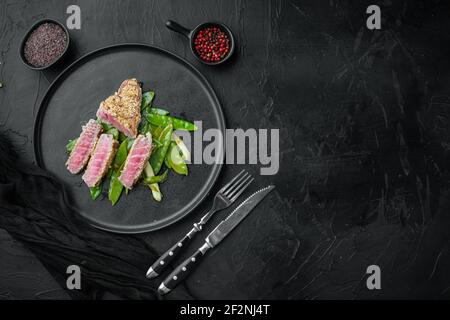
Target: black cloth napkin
34, 211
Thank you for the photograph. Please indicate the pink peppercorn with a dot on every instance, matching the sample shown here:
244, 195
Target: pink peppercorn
212, 44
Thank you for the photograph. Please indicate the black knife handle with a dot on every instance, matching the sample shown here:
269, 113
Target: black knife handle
167, 257
182, 271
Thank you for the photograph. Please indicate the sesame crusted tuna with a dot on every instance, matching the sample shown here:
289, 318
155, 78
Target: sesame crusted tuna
84, 146
100, 160
123, 109
136, 160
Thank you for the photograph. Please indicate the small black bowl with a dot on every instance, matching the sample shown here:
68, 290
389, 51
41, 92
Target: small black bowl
190, 34
27, 34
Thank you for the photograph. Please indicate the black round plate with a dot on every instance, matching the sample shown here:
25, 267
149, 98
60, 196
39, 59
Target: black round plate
73, 99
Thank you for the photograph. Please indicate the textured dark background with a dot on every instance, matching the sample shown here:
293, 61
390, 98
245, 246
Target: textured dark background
364, 139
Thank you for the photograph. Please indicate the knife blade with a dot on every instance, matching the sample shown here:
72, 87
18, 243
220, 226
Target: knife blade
235, 217
214, 238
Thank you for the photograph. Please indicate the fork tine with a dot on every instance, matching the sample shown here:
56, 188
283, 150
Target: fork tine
233, 180
233, 186
242, 190
238, 187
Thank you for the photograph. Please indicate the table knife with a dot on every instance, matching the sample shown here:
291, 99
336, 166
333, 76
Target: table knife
214, 238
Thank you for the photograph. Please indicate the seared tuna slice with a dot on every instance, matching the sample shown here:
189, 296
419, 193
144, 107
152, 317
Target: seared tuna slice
84, 146
123, 109
136, 160
100, 160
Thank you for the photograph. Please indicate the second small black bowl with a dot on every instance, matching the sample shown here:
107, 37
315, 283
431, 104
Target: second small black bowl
190, 34
28, 33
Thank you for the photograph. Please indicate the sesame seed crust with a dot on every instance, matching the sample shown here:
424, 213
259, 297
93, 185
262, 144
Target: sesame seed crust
125, 105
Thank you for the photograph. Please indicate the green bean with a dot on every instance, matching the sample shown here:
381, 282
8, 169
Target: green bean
157, 157
185, 154
129, 144
71, 145
155, 131
157, 143
115, 186
156, 179
167, 163
146, 103
96, 191
154, 187
163, 121
122, 137
110, 129
175, 160
106, 126
121, 155
147, 99
114, 132
159, 111
144, 126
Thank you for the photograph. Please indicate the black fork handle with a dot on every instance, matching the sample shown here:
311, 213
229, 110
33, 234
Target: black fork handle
167, 257
183, 270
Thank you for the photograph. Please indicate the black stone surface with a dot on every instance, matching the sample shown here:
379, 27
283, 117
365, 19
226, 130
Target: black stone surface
364, 137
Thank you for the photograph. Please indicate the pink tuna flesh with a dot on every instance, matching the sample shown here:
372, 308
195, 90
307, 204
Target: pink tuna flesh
136, 160
105, 117
84, 146
100, 160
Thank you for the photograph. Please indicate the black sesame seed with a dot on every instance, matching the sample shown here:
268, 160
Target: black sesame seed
45, 45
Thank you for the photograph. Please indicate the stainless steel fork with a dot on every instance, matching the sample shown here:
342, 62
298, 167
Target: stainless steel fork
223, 199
